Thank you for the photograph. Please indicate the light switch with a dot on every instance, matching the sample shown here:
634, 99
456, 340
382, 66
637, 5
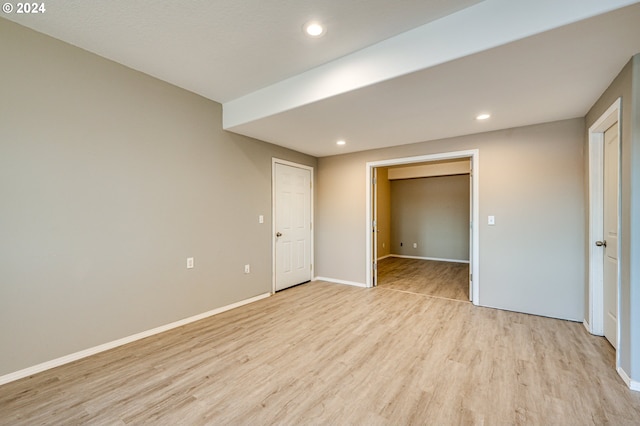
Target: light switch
189, 262
492, 220
261, 219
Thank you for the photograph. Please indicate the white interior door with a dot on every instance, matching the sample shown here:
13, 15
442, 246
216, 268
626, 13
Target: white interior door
471, 230
292, 218
610, 243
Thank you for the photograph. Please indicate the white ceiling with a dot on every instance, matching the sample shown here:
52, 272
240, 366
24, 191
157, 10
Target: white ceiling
417, 70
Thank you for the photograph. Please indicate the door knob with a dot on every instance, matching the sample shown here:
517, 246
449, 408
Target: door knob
601, 243
278, 234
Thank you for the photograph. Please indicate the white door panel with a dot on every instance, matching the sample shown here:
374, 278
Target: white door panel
293, 225
611, 159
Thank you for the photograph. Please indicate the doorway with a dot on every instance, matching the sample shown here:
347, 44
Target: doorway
423, 228
604, 223
371, 225
292, 224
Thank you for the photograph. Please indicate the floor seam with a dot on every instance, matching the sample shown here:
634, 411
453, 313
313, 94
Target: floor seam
422, 294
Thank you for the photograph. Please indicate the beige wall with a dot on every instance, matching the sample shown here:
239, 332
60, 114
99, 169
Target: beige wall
433, 213
530, 178
626, 86
383, 200
109, 180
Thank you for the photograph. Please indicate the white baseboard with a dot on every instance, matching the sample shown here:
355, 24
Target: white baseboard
587, 326
114, 344
437, 259
384, 257
633, 385
336, 281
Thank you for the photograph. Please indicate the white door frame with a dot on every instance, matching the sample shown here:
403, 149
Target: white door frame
474, 256
595, 322
275, 161
374, 227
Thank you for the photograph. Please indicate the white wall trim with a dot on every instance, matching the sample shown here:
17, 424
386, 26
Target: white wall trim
474, 256
20, 374
632, 384
275, 161
384, 257
337, 281
437, 259
587, 325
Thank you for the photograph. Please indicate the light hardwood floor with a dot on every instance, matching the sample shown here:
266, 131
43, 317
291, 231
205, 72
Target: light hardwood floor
433, 278
325, 353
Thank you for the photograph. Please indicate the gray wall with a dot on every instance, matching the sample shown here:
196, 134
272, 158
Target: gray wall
530, 178
109, 180
627, 86
432, 212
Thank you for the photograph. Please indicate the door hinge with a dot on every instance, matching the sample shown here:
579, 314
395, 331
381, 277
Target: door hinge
374, 181
471, 277
375, 266
311, 266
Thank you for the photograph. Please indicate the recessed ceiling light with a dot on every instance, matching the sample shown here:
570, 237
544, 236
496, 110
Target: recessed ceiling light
314, 29
341, 142
483, 116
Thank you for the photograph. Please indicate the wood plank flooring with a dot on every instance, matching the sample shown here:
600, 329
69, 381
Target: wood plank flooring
324, 353
449, 280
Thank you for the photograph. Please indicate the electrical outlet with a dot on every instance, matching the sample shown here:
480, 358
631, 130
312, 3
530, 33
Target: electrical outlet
415, 245
261, 219
247, 269
190, 262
